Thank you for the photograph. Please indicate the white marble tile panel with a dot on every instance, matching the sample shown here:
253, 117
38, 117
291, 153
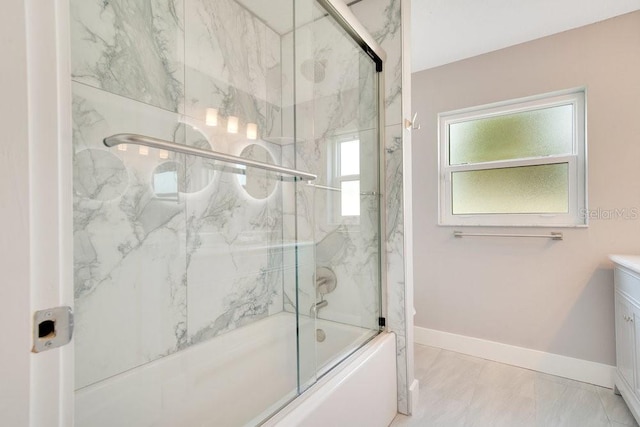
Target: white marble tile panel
326, 57
273, 85
234, 255
288, 85
382, 18
232, 64
128, 272
401, 372
347, 246
130, 48
299, 277
335, 87
395, 229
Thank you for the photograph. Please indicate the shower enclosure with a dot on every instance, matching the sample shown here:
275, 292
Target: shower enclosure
227, 206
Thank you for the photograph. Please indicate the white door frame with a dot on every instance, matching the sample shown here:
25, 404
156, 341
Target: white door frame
36, 209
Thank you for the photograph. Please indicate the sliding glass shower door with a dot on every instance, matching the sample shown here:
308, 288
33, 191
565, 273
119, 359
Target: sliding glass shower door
338, 137
234, 280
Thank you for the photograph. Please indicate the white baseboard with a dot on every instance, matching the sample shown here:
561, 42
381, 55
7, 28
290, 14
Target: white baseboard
548, 363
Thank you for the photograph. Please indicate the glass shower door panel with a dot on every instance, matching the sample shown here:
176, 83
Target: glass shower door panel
181, 263
340, 99
298, 123
129, 237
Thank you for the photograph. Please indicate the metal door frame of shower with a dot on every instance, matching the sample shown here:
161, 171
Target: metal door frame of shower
348, 21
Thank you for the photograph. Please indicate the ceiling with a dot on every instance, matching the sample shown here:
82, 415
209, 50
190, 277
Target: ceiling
445, 31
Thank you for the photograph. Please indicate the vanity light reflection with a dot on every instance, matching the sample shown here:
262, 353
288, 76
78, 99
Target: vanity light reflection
232, 124
211, 117
252, 131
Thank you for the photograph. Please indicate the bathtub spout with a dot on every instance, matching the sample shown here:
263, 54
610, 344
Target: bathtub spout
317, 306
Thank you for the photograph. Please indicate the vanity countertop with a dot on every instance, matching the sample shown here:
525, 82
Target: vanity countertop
632, 262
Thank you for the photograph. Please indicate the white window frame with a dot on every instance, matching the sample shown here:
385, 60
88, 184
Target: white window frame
576, 160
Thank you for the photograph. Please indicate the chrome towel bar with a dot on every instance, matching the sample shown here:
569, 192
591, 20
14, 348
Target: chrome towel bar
339, 190
131, 138
324, 187
552, 236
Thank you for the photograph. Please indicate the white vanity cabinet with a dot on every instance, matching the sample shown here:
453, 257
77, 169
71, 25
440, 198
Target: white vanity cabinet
625, 338
627, 320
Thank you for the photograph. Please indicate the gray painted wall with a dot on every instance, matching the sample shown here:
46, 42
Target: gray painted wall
15, 245
555, 297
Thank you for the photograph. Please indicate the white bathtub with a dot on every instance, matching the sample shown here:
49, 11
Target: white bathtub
226, 381
361, 391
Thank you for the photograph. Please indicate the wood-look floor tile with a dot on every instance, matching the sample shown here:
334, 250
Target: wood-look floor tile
616, 409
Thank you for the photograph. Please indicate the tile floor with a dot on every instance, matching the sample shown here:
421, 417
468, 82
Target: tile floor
458, 390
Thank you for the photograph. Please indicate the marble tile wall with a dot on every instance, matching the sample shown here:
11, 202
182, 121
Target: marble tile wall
336, 112
232, 64
130, 48
165, 258
129, 271
170, 250
382, 18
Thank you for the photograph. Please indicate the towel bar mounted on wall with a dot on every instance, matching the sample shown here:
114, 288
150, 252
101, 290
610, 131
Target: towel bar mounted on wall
552, 235
148, 141
339, 190
324, 187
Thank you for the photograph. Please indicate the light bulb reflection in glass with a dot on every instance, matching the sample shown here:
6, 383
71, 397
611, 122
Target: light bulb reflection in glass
232, 124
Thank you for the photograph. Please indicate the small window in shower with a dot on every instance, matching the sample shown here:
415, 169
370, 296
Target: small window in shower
242, 178
347, 181
349, 158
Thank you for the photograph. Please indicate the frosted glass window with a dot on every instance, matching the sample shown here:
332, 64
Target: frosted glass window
516, 163
350, 158
350, 198
530, 189
544, 132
